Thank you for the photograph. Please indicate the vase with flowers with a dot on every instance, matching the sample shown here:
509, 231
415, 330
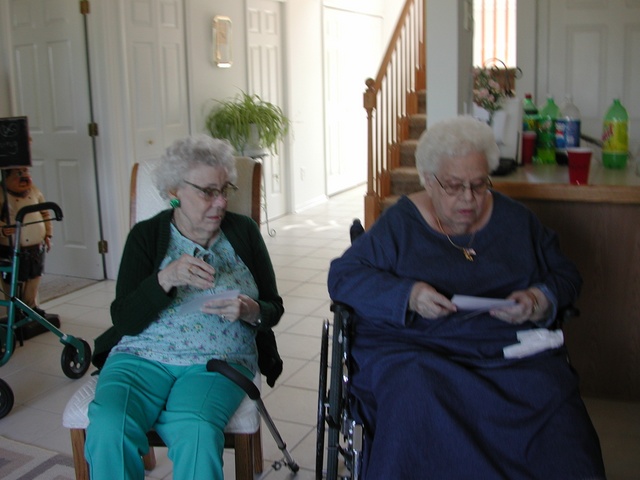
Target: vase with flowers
487, 92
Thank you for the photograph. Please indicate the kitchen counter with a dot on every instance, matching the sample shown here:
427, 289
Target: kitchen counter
551, 182
599, 229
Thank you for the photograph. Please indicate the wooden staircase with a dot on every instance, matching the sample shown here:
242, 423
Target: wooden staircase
395, 102
404, 178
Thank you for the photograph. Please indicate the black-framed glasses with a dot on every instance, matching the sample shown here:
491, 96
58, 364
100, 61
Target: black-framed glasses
457, 189
209, 194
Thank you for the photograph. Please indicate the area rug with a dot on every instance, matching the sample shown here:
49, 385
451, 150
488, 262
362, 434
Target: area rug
19, 461
54, 286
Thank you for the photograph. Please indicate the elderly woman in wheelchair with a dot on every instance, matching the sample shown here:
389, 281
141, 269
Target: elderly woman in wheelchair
458, 372
154, 357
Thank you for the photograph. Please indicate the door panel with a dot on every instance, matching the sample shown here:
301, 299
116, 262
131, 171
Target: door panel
352, 49
51, 88
157, 79
264, 50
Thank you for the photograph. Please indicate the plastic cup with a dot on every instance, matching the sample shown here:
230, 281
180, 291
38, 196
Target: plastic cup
579, 159
528, 146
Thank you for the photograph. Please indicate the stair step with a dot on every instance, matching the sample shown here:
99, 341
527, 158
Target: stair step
422, 101
389, 201
417, 125
405, 180
408, 152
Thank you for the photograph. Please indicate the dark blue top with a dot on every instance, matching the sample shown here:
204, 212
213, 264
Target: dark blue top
437, 397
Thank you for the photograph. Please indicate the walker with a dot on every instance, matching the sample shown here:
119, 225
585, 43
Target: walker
76, 355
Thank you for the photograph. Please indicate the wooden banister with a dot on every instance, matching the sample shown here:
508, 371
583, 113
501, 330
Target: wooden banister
386, 101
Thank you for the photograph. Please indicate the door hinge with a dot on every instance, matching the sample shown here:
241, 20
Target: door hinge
93, 129
84, 7
103, 247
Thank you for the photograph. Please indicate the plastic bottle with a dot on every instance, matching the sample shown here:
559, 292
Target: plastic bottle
546, 141
529, 114
615, 136
567, 129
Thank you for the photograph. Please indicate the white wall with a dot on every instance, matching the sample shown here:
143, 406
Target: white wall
206, 80
526, 46
304, 93
5, 104
448, 69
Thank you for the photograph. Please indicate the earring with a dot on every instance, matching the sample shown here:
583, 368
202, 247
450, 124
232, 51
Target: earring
174, 202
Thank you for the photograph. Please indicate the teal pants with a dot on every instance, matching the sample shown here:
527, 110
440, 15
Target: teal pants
188, 407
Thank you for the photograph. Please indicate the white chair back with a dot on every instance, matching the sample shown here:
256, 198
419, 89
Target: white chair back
145, 200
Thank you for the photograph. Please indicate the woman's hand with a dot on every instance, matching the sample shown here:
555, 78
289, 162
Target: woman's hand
427, 302
187, 270
531, 304
242, 307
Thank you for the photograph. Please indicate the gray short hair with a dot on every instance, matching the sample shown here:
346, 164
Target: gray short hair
187, 153
455, 137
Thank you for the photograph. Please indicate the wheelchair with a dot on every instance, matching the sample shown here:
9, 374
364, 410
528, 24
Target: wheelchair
76, 355
338, 427
345, 436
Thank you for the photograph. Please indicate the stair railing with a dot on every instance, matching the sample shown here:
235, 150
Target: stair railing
389, 98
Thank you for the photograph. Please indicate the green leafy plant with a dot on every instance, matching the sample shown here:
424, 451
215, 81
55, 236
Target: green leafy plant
234, 120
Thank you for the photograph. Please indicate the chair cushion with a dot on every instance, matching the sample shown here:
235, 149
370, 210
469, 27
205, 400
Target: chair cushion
75, 415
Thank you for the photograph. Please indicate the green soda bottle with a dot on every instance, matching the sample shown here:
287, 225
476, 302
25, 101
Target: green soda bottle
615, 136
546, 141
529, 114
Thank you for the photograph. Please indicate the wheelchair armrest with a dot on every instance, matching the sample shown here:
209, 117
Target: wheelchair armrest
223, 368
565, 314
340, 307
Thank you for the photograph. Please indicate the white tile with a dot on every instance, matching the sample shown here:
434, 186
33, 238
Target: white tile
310, 290
297, 346
302, 305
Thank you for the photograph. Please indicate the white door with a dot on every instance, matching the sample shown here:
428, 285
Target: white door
593, 55
157, 79
50, 86
264, 50
351, 55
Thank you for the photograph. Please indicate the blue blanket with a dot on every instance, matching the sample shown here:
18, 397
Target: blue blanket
438, 398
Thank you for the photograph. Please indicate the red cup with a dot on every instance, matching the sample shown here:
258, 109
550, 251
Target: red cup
579, 159
528, 146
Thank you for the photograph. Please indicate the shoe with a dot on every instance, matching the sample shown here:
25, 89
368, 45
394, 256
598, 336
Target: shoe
40, 312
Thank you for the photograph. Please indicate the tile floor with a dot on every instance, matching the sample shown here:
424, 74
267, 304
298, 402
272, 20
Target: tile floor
301, 250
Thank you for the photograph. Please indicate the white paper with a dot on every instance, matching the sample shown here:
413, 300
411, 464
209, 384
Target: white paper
534, 341
480, 304
195, 305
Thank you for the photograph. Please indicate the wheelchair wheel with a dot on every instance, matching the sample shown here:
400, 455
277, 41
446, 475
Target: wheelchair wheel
6, 399
70, 360
322, 399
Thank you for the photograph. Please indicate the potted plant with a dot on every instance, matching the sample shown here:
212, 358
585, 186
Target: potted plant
252, 125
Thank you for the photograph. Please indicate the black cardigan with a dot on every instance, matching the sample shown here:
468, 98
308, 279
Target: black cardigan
139, 296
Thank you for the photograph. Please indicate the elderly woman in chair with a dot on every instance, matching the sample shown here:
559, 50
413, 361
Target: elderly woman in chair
156, 352
451, 393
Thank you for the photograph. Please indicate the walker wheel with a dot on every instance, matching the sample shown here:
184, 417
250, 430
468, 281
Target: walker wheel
5, 338
71, 364
6, 399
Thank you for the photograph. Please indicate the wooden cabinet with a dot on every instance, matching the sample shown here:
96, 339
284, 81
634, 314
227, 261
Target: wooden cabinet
599, 229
